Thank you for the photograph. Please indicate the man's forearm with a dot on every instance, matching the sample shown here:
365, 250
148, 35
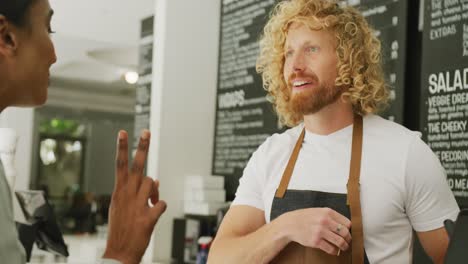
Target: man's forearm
260, 246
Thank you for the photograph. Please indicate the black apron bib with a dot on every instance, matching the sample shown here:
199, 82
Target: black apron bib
287, 200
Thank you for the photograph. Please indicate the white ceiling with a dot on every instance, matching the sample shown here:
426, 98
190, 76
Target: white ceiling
97, 41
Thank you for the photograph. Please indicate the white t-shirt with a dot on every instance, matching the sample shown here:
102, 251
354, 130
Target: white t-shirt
403, 185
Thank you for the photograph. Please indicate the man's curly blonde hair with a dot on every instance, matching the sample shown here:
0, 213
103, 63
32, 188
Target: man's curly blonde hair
358, 51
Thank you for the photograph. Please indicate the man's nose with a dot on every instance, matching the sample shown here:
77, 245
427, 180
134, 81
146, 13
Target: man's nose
299, 63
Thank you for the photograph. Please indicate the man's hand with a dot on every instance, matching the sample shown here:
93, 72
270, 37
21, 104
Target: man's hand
245, 237
131, 219
321, 228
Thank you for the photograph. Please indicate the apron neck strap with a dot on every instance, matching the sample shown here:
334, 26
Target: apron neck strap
354, 197
290, 167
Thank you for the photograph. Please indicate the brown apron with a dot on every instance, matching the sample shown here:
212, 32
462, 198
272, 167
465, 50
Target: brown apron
289, 200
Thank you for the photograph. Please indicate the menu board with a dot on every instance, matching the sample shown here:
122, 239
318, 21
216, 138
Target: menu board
444, 89
388, 19
244, 117
145, 71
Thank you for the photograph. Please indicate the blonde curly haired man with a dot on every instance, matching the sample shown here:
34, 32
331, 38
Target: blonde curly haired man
321, 67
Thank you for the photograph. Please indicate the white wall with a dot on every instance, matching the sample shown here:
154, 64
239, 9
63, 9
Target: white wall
183, 102
22, 121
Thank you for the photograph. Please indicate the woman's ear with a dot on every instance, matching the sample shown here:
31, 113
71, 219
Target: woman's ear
8, 39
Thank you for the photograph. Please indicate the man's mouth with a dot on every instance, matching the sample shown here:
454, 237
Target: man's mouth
302, 84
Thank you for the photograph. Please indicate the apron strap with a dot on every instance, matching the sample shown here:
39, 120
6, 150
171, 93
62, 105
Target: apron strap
290, 167
353, 187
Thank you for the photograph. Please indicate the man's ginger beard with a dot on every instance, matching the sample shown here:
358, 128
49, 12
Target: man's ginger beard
312, 100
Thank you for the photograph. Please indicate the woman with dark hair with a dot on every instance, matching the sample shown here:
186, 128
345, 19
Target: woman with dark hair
26, 54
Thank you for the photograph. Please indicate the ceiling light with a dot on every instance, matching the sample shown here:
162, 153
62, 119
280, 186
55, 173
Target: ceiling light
131, 77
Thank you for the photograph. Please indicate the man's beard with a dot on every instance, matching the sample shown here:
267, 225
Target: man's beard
312, 100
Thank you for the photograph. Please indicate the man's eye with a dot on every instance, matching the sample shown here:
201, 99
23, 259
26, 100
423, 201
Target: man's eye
312, 49
288, 53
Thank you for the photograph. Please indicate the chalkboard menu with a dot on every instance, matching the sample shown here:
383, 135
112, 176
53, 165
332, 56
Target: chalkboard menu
444, 89
143, 89
388, 18
244, 118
